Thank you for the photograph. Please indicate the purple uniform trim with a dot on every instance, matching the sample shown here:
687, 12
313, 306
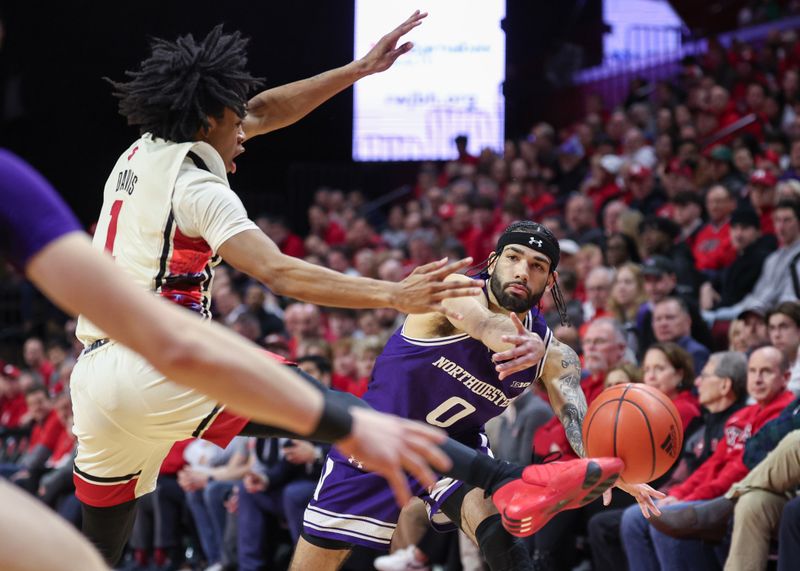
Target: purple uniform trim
31, 213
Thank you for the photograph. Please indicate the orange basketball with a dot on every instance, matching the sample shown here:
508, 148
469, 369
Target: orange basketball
638, 424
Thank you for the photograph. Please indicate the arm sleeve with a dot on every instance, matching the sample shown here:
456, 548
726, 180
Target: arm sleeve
205, 207
31, 213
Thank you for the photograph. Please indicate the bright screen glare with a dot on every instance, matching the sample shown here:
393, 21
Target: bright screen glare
449, 84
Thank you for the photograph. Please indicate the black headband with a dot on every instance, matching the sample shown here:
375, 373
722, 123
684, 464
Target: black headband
533, 240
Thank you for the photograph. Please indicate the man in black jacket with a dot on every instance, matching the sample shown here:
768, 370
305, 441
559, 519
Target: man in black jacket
660, 238
661, 282
738, 279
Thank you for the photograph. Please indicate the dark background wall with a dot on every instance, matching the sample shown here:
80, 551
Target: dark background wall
58, 113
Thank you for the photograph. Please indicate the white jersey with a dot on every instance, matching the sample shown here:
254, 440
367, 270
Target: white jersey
167, 208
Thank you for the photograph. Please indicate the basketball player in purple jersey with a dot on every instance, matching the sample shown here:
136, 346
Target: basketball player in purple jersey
457, 374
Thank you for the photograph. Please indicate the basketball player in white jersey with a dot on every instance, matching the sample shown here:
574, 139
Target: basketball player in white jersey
42, 239
168, 218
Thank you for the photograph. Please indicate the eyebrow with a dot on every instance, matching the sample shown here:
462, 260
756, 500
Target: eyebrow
536, 256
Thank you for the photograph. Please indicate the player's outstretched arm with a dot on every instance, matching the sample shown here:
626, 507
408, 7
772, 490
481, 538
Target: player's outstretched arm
561, 376
196, 353
287, 104
253, 253
223, 365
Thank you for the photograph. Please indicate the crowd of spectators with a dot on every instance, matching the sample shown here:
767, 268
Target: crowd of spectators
678, 217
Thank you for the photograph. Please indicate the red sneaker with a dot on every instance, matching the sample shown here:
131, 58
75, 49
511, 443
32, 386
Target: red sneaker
527, 504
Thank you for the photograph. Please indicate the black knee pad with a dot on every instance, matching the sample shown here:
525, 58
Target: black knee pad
501, 550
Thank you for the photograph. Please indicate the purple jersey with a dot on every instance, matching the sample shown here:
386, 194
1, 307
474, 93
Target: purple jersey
449, 382
31, 213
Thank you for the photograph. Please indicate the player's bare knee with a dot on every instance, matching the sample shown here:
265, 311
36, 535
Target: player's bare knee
310, 556
474, 510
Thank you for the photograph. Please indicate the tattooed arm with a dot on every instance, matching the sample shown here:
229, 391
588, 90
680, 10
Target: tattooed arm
561, 376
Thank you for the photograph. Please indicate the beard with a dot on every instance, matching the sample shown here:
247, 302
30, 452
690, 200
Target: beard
512, 302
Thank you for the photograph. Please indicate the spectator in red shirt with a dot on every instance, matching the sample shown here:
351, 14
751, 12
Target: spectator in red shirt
321, 225
36, 362
712, 248
46, 430
722, 107
345, 367
601, 186
598, 289
762, 195
361, 234
12, 399
303, 322
478, 240
277, 228
538, 199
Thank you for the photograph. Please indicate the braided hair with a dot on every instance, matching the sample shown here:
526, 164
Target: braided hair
539, 237
183, 82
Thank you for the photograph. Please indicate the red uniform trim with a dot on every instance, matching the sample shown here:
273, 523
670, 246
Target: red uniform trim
104, 495
224, 428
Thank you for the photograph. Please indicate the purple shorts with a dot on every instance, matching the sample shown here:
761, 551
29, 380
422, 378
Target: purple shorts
358, 507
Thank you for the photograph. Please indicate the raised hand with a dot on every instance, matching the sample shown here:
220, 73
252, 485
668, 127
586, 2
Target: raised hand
424, 289
386, 51
527, 351
389, 445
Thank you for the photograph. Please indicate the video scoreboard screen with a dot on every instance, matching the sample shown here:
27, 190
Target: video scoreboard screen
449, 84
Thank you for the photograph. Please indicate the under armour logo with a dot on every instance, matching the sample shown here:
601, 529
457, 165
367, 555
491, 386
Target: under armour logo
533, 241
352, 460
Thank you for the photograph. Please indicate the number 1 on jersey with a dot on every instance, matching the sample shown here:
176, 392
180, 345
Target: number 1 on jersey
111, 235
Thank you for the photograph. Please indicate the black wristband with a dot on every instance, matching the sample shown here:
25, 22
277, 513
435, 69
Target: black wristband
335, 423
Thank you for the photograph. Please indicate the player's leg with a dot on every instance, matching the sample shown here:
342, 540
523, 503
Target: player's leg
412, 525
477, 516
34, 538
126, 418
109, 528
310, 556
567, 484
755, 522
